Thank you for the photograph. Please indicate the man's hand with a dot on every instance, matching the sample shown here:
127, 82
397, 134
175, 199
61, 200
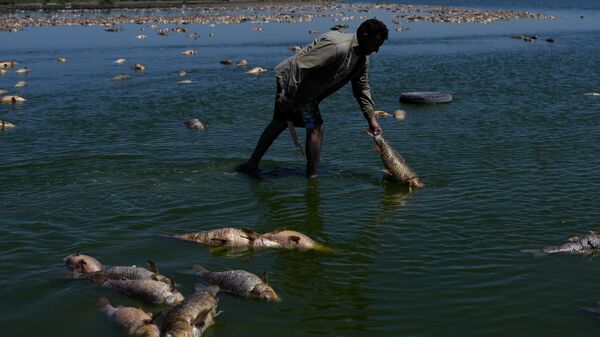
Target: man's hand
374, 126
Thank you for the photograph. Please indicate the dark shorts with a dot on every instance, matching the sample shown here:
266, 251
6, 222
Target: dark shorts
309, 118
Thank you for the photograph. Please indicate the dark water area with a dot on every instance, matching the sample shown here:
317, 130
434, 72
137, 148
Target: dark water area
105, 167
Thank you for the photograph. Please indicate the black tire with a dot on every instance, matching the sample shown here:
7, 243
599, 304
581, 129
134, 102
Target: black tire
425, 97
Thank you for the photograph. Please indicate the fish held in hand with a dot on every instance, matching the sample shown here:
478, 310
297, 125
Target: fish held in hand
151, 291
239, 282
135, 322
396, 167
192, 316
84, 264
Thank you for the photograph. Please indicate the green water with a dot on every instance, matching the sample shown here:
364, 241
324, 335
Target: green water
105, 167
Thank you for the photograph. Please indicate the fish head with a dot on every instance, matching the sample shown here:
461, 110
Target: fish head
416, 182
174, 298
82, 263
265, 292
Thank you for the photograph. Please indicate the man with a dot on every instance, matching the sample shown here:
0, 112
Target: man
315, 72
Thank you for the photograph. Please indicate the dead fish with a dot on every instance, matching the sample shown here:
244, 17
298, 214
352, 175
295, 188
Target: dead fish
400, 115
8, 64
239, 282
3, 71
140, 37
152, 291
6, 125
20, 84
231, 237
133, 273
587, 245
121, 77
256, 71
180, 30
192, 316
189, 52
291, 239
381, 113
226, 62
139, 67
185, 82
313, 32
135, 322
83, 264
182, 73
23, 70
592, 94
193, 36
396, 167
257, 29
242, 63
2, 91
119, 61
194, 123
12, 99
61, 59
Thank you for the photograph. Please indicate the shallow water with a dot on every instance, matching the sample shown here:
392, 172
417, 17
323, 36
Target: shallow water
105, 167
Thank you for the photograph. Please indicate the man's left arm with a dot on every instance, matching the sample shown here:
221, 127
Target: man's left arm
362, 92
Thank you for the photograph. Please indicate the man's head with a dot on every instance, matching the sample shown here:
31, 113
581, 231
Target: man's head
371, 34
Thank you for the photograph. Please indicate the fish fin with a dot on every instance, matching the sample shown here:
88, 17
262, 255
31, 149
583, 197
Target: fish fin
574, 238
200, 318
218, 313
251, 235
377, 148
595, 232
103, 302
199, 269
265, 278
294, 238
219, 242
172, 283
278, 230
152, 267
387, 173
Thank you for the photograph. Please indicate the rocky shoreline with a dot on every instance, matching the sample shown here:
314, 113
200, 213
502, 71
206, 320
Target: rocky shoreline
257, 13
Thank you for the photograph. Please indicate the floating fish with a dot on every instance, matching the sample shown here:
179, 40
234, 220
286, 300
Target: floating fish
189, 52
119, 61
12, 99
61, 59
396, 167
231, 237
23, 70
151, 291
400, 115
6, 125
239, 282
592, 94
256, 71
185, 82
586, 245
139, 67
140, 37
183, 73
132, 273
8, 64
20, 84
242, 63
192, 316
226, 62
295, 48
135, 322
121, 77
194, 123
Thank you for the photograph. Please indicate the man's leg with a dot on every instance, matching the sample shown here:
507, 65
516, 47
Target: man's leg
314, 138
271, 132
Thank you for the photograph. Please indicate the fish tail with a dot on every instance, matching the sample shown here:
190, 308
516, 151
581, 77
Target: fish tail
323, 248
186, 236
198, 269
535, 252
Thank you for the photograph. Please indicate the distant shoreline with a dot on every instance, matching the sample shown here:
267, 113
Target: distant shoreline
110, 4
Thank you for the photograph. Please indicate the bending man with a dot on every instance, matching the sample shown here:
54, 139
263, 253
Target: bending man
315, 72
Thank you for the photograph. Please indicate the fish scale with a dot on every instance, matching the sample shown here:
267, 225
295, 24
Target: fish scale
193, 315
148, 290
